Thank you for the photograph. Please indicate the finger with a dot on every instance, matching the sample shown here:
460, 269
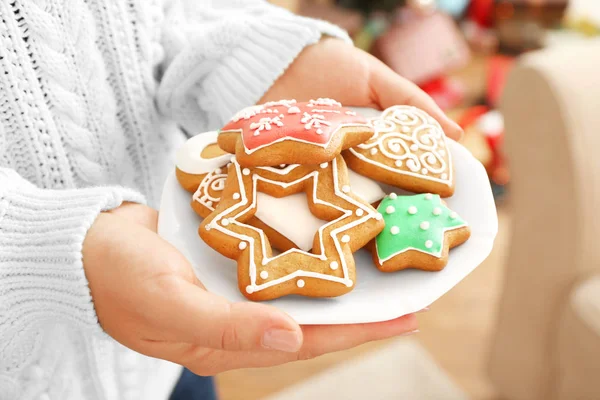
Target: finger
319, 340
193, 315
389, 89
138, 213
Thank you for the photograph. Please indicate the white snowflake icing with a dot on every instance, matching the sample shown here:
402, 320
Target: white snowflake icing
283, 103
311, 121
265, 124
247, 113
325, 111
324, 102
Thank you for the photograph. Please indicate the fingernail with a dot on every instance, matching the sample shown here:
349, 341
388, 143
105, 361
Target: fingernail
282, 340
410, 333
423, 310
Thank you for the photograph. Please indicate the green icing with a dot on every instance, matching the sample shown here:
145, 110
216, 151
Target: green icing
410, 234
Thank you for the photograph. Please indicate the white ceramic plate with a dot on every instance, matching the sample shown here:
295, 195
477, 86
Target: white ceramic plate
377, 296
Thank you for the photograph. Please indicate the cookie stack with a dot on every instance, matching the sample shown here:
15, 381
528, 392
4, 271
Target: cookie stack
291, 190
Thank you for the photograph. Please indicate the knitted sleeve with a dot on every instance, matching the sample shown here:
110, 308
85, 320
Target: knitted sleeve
222, 56
41, 272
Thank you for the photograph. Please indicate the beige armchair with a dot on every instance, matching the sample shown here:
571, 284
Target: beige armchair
547, 340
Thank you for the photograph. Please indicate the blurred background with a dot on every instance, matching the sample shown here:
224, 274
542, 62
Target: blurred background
522, 77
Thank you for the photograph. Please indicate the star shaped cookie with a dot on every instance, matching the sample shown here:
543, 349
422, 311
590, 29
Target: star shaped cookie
327, 270
419, 231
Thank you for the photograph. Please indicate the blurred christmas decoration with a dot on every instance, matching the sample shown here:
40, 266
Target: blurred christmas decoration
521, 24
424, 49
478, 26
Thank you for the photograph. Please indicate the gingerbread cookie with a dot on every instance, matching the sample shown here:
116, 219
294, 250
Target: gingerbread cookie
208, 193
288, 222
408, 150
328, 269
419, 231
199, 156
287, 132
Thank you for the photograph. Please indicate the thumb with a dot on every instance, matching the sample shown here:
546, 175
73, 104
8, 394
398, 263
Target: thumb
390, 89
196, 316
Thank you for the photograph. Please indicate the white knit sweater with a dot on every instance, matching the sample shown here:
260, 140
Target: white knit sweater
90, 94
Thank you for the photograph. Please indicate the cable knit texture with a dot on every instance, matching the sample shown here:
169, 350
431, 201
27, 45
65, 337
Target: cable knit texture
92, 95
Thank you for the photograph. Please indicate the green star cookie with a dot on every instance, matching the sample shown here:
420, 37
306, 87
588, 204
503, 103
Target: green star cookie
416, 222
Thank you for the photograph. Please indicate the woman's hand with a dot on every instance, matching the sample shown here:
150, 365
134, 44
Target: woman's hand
148, 298
335, 69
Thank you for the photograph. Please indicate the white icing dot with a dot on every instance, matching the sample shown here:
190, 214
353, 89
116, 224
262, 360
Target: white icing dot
349, 283
394, 230
424, 171
345, 188
324, 165
428, 244
282, 165
414, 147
393, 196
345, 239
246, 171
428, 196
293, 110
209, 203
360, 212
207, 227
378, 216
412, 210
264, 274
319, 131
424, 225
398, 163
437, 211
236, 196
300, 283
256, 133
249, 289
444, 176
373, 151
224, 222
453, 215
334, 265
242, 245
390, 209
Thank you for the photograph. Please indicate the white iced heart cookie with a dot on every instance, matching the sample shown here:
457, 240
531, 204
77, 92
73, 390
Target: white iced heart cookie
408, 150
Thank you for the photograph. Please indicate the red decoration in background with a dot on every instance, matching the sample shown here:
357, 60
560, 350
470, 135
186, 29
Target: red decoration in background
446, 92
482, 12
481, 120
498, 69
470, 116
